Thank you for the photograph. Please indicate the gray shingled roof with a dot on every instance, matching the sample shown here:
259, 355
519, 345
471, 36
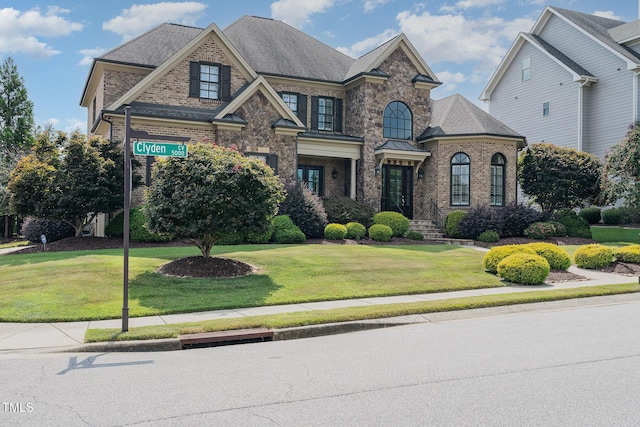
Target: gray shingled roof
598, 27
153, 47
397, 145
273, 47
455, 115
561, 56
627, 31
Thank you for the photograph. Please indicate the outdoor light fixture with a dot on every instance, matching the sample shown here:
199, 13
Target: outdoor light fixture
334, 173
377, 170
420, 174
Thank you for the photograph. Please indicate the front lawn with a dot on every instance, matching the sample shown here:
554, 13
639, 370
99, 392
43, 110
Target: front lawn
615, 234
68, 286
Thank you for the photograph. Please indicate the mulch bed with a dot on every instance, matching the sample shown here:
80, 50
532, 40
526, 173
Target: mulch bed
198, 266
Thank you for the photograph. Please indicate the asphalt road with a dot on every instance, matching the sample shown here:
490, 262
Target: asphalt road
574, 367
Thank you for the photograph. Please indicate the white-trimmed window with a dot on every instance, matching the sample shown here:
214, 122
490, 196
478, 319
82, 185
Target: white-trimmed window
526, 69
546, 109
498, 163
460, 179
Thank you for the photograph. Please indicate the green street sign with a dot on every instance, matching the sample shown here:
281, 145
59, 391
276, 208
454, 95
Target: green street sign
161, 149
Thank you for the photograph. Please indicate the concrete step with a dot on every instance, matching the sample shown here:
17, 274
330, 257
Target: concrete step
426, 228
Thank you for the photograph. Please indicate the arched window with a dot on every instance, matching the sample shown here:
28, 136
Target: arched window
398, 122
460, 179
498, 163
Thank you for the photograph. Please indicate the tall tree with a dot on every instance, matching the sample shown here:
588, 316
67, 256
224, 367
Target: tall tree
16, 129
621, 171
558, 178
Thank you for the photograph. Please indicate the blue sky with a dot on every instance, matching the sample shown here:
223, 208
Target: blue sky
53, 42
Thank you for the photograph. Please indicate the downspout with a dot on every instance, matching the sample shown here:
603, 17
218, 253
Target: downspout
636, 73
583, 83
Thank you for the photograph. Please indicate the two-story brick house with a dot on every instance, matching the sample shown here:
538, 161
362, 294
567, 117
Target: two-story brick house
364, 128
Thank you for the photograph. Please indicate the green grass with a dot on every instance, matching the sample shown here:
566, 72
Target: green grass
615, 234
70, 286
354, 313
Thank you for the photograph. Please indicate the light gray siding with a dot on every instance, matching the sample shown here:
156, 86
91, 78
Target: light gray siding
610, 107
518, 103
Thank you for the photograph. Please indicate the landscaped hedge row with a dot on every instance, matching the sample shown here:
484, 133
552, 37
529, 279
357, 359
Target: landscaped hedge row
508, 221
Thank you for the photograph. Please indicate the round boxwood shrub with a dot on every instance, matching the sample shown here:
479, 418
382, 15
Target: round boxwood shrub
526, 269
489, 236
335, 231
611, 216
593, 256
398, 223
53, 229
591, 215
355, 231
451, 223
285, 231
495, 255
414, 235
629, 254
380, 232
557, 257
575, 225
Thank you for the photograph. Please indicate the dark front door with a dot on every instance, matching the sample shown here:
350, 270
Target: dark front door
397, 189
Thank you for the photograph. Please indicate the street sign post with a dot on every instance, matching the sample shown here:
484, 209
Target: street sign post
159, 149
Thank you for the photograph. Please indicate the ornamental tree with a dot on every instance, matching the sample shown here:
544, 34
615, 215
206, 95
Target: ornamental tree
212, 193
70, 179
621, 171
558, 178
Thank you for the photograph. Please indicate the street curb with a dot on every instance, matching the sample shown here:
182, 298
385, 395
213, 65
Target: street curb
299, 332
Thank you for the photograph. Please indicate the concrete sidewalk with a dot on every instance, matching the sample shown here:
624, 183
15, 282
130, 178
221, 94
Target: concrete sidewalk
70, 335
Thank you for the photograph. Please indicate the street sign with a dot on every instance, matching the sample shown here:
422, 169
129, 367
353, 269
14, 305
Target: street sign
161, 149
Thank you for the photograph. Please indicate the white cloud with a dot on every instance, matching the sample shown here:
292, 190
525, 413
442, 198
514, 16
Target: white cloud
449, 80
454, 38
358, 49
297, 13
89, 54
75, 124
473, 4
20, 31
371, 5
607, 14
140, 18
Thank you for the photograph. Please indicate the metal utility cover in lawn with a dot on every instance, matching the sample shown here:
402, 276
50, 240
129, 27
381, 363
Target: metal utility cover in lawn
161, 149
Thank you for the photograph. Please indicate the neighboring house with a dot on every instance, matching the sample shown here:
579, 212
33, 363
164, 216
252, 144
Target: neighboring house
364, 128
572, 81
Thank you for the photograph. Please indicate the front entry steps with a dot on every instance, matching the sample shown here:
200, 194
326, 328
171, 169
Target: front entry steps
432, 233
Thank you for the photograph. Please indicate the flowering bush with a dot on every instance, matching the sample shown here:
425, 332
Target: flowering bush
545, 230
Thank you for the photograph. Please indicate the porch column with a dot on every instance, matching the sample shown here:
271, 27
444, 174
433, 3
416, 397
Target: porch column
352, 190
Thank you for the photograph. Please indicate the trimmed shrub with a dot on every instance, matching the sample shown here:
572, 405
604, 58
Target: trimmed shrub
612, 216
451, 223
53, 229
355, 231
261, 238
495, 255
628, 254
545, 230
414, 235
380, 232
516, 218
335, 231
526, 269
629, 215
593, 256
285, 231
477, 220
398, 223
575, 225
305, 209
591, 215
138, 231
489, 236
231, 239
557, 257
344, 209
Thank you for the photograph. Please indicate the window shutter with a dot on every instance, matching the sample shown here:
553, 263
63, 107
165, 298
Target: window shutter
314, 112
225, 82
302, 109
337, 127
194, 79
272, 161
